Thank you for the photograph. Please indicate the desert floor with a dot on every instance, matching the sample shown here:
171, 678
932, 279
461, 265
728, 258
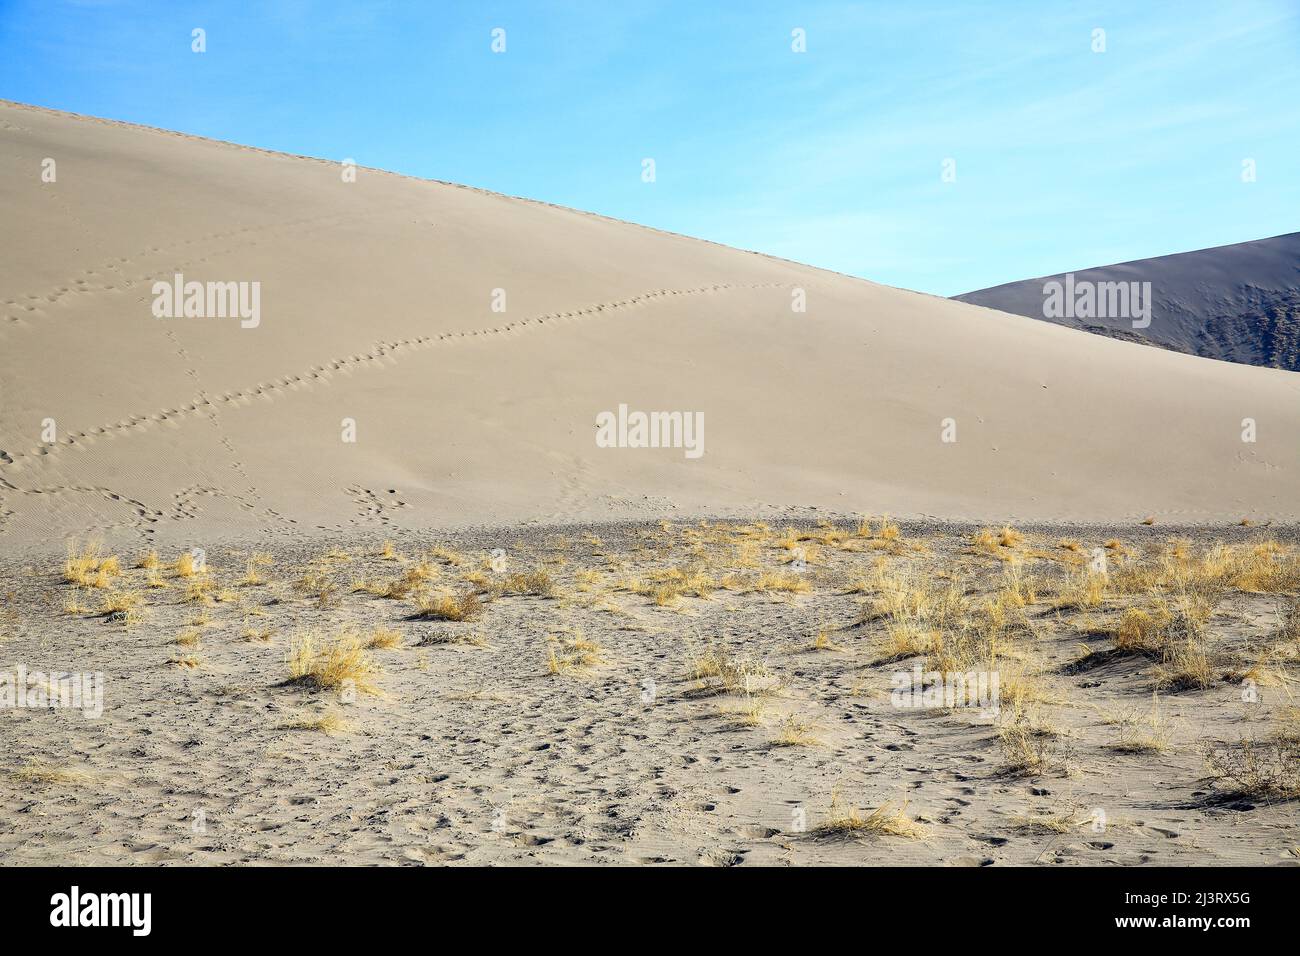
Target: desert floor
689, 693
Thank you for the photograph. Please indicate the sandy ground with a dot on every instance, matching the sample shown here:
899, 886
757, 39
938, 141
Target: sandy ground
473, 751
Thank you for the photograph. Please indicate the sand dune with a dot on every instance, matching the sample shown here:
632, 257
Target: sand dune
387, 652
1238, 303
376, 306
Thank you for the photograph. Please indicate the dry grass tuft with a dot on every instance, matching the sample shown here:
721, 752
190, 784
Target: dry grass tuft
383, 639
746, 713
449, 555
1082, 591
470, 638
73, 605
1265, 768
125, 606
1174, 631
1143, 733
822, 641
886, 820
89, 566
570, 652
1000, 543
796, 732
45, 774
782, 582
1066, 821
717, 669
340, 663
1029, 747
450, 607
329, 723
666, 586
186, 567
538, 582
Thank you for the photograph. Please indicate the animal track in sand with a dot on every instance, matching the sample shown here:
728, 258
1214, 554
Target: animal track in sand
372, 507
111, 268
202, 403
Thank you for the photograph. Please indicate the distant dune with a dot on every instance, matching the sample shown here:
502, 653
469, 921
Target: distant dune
470, 342
1238, 303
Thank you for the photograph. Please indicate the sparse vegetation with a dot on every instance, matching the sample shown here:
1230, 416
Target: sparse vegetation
327, 723
795, 732
450, 607
333, 665
89, 566
1264, 768
1173, 616
383, 639
1143, 733
570, 652
886, 820
46, 774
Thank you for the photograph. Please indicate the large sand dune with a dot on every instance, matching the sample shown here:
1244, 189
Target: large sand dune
1238, 303
376, 306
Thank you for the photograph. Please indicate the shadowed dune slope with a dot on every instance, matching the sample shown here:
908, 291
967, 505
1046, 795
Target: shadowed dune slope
376, 306
1238, 303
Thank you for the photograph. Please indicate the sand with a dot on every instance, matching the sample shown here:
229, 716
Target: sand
578, 722
472, 751
376, 306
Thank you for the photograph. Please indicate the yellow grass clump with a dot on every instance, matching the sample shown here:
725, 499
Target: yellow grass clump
383, 639
89, 566
666, 586
46, 773
721, 671
335, 665
1000, 543
886, 820
795, 732
186, 566
538, 582
782, 582
122, 605
450, 607
329, 723
1081, 591
747, 713
570, 652
1174, 631
1029, 746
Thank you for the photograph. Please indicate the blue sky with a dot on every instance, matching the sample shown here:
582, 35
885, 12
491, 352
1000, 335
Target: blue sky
1065, 158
